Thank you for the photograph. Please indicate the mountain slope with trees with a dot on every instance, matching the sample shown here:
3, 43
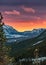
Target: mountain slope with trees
26, 48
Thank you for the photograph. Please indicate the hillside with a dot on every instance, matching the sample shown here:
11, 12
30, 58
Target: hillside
26, 48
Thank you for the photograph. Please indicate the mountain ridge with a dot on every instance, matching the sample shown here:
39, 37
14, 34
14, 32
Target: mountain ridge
27, 47
24, 45
13, 35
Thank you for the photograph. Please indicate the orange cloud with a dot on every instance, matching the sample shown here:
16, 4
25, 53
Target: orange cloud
28, 9
23, 25
15, 12
28, 25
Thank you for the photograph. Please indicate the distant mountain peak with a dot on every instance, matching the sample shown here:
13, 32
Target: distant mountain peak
9, 29
13, 34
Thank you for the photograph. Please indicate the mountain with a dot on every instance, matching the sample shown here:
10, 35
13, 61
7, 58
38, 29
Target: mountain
13, 35
33, 33
26, 47
23, 44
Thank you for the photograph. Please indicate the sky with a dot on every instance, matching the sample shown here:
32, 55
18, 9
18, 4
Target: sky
24, 15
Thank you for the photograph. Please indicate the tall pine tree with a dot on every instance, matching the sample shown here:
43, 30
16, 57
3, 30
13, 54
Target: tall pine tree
2, 42
4, 50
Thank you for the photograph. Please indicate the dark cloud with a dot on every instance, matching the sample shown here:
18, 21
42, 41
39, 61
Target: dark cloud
26, 9
23, 2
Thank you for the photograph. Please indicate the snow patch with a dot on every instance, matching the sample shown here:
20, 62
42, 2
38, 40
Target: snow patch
37, 42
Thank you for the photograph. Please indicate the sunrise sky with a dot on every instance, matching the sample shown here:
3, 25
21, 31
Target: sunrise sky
24, 15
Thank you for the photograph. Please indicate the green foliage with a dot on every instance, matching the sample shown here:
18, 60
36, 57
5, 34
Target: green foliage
3, 48
2, 43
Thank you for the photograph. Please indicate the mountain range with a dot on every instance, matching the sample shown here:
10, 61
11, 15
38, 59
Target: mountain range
13, 35
24, 43
27, 47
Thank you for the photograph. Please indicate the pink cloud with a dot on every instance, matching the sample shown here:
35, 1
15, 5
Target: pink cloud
14, 12
28, 9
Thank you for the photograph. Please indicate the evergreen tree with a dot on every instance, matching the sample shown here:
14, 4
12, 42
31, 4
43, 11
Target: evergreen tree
2, 42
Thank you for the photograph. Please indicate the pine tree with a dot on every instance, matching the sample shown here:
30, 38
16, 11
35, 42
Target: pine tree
2, 41
4, 50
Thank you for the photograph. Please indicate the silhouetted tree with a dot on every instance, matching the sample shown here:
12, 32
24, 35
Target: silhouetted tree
2, 41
